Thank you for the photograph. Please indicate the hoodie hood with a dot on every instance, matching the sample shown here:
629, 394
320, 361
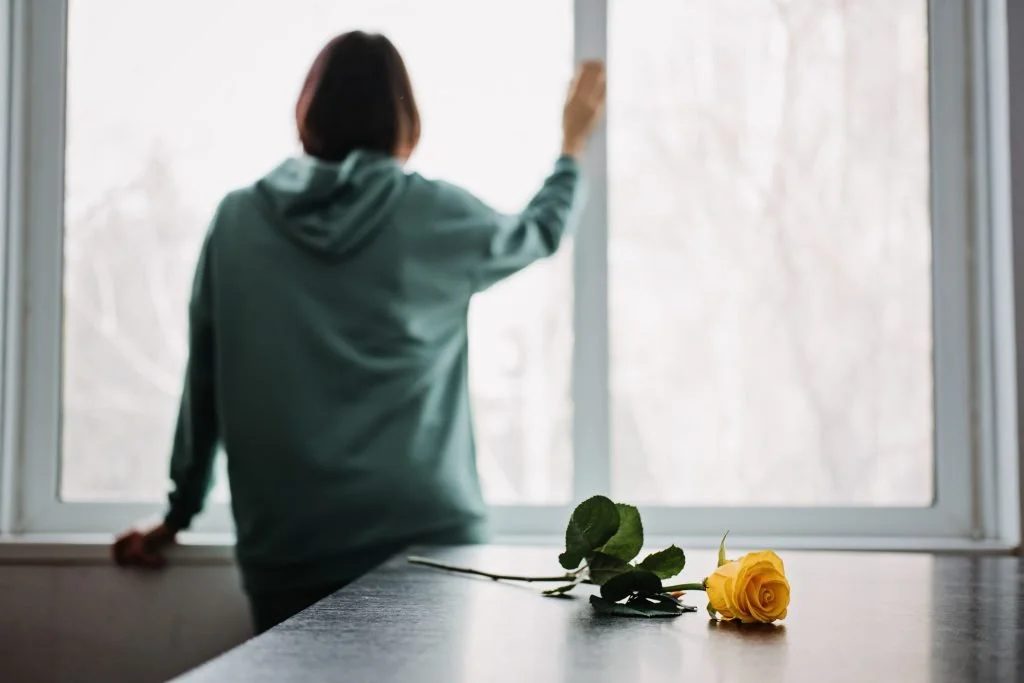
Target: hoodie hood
333, 209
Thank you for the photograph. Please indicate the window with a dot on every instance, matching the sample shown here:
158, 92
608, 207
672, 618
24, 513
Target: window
769, 253
769, 321
144, 175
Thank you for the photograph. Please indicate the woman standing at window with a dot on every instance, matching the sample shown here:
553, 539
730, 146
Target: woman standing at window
328, 338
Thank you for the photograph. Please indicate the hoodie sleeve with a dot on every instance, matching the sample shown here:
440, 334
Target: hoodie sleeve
492, 246
196, 435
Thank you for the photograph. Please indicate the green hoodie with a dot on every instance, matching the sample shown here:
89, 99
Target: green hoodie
328, 356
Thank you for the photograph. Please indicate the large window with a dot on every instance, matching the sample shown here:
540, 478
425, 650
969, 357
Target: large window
770, 252
768, 321
155, 141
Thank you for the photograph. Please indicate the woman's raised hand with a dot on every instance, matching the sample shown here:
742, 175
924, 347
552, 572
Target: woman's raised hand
583, 107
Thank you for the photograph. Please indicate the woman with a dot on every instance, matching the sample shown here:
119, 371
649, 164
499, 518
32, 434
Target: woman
328, 349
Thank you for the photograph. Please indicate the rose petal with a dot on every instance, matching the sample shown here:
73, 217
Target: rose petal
756, 607
747, 573
780, 603
731, 594
719, 589
766, 556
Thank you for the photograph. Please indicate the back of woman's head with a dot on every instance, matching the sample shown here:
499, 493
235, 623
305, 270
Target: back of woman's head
357, 95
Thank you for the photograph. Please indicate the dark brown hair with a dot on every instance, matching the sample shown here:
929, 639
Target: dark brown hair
357, 95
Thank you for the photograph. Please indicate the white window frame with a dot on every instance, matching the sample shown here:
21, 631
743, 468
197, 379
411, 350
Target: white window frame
974, 348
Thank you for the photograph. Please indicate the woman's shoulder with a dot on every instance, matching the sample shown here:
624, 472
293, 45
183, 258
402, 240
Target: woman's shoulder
230, 203
233, 208
441, 199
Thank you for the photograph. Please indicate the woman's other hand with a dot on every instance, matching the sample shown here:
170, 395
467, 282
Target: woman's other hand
583, 107
144, 549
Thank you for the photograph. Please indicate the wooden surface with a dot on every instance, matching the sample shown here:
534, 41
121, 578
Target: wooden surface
854, 617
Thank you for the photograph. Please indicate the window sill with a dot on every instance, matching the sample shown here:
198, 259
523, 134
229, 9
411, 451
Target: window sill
218, 549
879, 544
94, 549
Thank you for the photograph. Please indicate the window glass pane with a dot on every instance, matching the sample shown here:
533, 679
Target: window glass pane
770, 264
172, 104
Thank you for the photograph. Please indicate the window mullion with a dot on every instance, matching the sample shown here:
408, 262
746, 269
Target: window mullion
45, 32
952, 244
9, 292
592, 423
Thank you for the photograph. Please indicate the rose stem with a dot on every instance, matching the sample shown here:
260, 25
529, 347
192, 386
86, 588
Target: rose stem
495, 577
684, 587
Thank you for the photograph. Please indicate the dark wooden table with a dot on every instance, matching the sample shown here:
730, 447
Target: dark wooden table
854, 617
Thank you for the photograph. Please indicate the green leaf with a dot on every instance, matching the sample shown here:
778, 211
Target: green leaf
660, 602
602, 568
664, 600
637, 609
721, 550
635, 581
712, 612
561, 590
593, 523
629, 539
665, 563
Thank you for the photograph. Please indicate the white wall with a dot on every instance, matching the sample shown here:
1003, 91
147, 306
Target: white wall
94, 622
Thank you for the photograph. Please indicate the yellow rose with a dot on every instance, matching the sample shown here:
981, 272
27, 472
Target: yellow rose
751, 589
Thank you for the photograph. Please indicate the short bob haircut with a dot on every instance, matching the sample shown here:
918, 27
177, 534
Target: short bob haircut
357, 95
